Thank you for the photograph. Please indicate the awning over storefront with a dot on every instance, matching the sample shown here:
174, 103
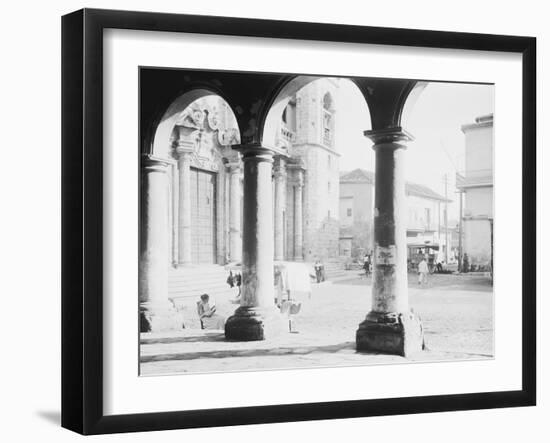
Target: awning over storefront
423, 245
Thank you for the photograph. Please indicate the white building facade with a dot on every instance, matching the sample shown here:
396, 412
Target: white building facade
477, 187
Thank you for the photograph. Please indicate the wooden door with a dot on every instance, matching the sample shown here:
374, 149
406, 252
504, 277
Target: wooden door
203, 216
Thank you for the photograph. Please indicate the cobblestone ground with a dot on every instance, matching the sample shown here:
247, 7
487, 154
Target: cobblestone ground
456, 310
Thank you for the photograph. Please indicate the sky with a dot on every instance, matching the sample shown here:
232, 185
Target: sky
435, 122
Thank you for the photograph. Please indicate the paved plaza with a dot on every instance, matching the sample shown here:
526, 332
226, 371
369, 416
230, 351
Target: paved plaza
456, 310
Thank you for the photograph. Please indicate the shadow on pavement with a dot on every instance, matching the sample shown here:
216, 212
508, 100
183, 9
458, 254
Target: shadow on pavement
199, 338
297, 350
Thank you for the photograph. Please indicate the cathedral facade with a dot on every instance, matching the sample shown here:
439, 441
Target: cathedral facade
205, 198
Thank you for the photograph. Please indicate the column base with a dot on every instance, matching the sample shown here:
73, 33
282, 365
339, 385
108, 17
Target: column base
158, 317
252, 323
391, 333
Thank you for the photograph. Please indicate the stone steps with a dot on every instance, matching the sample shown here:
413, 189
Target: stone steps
185, 286
334, 270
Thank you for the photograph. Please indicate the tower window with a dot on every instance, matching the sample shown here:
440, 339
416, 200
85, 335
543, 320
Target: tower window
327, 102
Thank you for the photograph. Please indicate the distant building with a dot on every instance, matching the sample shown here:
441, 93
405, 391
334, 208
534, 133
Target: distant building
477, 186
424, 223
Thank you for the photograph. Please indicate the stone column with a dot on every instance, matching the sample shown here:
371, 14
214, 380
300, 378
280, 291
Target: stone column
174, 213
235, 238
156, 311
390, 326
257, 317
280, 205
184, 151
298, 216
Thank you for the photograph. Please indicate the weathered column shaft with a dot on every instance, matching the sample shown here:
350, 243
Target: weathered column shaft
175, 214
156, 312
184, 217
280, 204
298, 218
390, 326
257, 317
257, 232
235, 239
389, 291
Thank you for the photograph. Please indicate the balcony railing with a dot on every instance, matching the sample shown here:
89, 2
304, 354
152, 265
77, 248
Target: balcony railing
287, 134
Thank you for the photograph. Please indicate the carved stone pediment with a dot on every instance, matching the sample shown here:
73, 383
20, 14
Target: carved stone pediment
200, 127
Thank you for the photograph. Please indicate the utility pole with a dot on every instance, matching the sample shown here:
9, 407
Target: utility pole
446, 222
439, 226
460, 228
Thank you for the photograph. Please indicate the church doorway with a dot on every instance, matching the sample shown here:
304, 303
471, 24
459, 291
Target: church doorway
203, 216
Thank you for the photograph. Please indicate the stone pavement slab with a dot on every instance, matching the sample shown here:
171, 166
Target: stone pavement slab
457, 319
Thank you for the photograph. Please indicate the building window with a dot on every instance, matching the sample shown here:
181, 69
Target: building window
327, 101
349, 212
328, 187
327, 119
327, 128
428, 218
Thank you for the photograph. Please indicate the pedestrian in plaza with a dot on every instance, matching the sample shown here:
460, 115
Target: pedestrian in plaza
366, 265
238, 281
423, 271
318, 270
230, 280
465, 263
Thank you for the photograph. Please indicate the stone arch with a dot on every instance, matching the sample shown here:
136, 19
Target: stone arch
276, 103
161, 140
410, 101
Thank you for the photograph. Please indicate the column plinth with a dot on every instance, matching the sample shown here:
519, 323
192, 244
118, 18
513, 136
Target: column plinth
390, 327
257, 318
156, 311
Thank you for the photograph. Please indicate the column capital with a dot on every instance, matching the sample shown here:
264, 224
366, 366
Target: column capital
234, 167
298, 169
150, 163
279, 170
393, 135
183, 149
257, 151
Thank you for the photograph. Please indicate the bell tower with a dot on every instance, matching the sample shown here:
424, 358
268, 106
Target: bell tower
315, 147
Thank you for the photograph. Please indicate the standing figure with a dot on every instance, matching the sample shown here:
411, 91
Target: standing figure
238, 281
423, 271
465, 263
318, 270
366, 265
230, 279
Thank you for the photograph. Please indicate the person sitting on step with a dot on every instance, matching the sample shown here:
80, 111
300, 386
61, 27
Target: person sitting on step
207, 314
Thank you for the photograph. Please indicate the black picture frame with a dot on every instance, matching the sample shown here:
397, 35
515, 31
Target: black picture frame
82, 218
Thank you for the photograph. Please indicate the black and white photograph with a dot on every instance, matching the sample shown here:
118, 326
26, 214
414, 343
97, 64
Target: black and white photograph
294, 221
274, 222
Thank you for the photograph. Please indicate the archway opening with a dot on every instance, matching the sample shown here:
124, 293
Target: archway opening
452, 125
318, 123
